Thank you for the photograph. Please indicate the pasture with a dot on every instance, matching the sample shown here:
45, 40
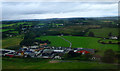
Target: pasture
108, 40
72, 30
55, 41
11, 42
103, 32
34, 63
4, 30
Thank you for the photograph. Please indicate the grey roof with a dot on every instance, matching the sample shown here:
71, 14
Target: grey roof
47, 50
87, 49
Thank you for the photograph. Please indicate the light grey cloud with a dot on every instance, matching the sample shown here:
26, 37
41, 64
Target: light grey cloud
41, 10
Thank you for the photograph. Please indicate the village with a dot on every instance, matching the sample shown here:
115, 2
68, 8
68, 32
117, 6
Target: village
45, 51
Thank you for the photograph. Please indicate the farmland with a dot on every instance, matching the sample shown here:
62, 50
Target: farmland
55, 41
33, 63
13, 24
10, 42
103, 32
109, 40
4, 30
79, 42
74, 31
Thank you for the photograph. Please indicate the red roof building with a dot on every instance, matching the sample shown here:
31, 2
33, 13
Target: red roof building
83, 52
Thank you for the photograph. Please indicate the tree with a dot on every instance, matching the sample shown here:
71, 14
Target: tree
110, 42
109, 56
28, 40
91, 34
19, 28
119, 37
73, 54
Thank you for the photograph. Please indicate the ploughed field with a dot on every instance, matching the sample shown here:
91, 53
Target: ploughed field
78, 42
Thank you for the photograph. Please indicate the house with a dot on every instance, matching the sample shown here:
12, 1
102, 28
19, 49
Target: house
96, 57
6, 51
92, 51
32, 54
113, 37
20, 53
29, 54
40, 48
10, 54
47, 53
24, 48
38, 52
43, 44
57, 57
59, 51
34, 46
84, 50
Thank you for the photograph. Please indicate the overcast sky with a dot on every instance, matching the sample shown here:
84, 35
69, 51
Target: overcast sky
43, 10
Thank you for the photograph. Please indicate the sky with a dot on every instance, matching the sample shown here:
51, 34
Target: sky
44, 10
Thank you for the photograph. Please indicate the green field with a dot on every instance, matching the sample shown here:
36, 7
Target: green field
55, 41
15, 32
4, 30
7, 25
0, 25
107, 41
11, 42
79, 42
16, 24
29, 63
104, 32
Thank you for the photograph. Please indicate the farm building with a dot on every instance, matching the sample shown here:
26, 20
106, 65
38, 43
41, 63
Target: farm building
113, 37
47, 53
84, 50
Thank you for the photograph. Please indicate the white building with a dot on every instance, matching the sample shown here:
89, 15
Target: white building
113, 37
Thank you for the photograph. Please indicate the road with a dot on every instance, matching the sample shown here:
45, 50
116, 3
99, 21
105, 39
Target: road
66, 40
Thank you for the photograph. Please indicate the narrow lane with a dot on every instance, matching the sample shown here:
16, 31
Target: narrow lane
67, 41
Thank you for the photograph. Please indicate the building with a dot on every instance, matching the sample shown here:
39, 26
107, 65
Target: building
84, 50
47, 53
113, 37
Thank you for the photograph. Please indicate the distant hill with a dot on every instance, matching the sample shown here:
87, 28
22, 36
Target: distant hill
78, 18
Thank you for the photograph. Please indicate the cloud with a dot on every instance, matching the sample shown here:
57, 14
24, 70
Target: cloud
42, 10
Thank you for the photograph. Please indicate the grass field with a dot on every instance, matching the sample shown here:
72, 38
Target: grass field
7, 25
4, 30
107, 41
15, 32
73, 29
0, 25
104, 32
11, 42
55, 41
20, 63
79, 42
29, 63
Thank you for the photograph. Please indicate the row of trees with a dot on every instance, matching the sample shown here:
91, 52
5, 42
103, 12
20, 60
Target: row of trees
109, 56
29, 40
